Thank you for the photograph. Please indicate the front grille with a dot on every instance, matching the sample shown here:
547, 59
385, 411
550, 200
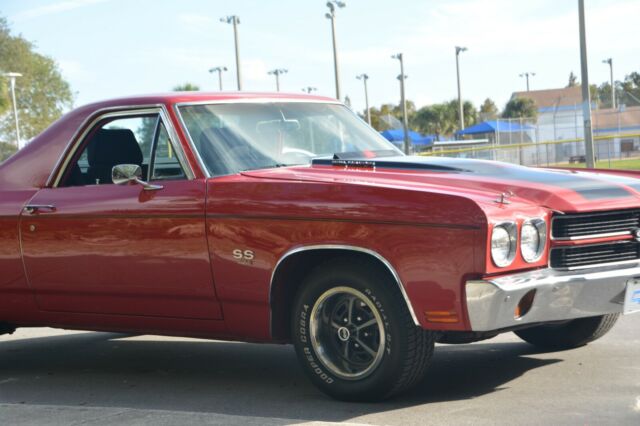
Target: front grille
589, 225
576, 257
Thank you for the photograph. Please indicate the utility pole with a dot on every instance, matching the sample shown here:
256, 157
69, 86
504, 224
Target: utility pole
233, 19
309, 89
460, 107
586, 96
12, 82
613, 87
219, 71
332, 16
364, 78
527, 74
277, 73
403, 103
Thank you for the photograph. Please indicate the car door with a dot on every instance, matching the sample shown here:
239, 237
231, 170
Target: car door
91, 246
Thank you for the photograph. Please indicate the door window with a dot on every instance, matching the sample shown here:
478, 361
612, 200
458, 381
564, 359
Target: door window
141, 140
166, 165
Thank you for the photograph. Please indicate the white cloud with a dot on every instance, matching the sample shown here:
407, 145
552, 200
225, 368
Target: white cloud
61, 6
73, 70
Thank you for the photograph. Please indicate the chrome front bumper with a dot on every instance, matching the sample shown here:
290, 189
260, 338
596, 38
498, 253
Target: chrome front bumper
560, 295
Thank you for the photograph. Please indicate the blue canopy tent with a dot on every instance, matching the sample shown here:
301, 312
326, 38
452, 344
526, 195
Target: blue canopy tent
396, 136
494, 126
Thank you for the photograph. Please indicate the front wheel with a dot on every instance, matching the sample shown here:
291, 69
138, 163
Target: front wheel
354, 335
569, 335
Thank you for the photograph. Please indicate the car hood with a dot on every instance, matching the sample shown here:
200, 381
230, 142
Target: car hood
556, 189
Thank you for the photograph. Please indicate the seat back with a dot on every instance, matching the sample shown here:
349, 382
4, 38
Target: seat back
108, 148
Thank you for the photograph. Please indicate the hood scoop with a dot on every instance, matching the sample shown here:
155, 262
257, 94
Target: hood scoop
349, 160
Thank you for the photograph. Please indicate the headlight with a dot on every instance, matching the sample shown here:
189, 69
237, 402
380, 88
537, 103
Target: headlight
533, 237
503, 243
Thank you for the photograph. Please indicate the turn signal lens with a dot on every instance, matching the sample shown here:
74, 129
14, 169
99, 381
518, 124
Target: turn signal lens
441, 316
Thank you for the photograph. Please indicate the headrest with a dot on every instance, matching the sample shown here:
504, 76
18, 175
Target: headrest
110, 147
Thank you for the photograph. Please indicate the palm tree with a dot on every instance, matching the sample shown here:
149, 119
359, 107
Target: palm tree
186, 87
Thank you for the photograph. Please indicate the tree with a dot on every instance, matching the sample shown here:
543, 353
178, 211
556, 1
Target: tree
488, 110
4, 95
436, 119
42, 95
573, 80
442, 119
630, 90
6, 150
520, 108
389, 116
186, 87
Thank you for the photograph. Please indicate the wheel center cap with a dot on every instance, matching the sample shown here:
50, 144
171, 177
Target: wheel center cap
344, 334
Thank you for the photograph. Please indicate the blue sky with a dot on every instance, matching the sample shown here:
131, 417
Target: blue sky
109, 48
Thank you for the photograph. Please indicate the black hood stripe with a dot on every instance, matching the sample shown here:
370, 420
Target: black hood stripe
590, 187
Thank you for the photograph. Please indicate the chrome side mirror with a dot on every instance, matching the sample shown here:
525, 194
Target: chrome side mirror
122, 174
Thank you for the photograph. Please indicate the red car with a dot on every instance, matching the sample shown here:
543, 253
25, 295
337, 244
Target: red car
285, 218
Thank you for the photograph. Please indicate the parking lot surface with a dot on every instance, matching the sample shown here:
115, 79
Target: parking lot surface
61, 377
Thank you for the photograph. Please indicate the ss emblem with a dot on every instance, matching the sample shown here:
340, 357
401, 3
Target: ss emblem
243, 256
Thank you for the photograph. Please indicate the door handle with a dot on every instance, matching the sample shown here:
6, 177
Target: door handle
34, 208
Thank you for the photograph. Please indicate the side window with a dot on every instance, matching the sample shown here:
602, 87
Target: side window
126, 140
166, 165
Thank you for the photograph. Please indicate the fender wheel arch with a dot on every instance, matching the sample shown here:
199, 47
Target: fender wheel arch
297, 263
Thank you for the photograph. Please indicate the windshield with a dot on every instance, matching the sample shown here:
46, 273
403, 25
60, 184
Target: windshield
236, 137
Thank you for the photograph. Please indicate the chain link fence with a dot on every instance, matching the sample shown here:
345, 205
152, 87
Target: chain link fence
553, 139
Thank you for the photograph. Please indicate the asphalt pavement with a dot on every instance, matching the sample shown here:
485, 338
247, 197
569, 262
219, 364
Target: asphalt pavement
56, 377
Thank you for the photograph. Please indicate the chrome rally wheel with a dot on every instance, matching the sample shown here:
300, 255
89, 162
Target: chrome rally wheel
347, 333
353, 332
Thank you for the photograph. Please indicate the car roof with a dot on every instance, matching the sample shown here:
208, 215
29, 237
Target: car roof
198, 97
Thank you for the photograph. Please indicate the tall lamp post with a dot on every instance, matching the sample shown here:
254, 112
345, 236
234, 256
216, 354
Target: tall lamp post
277, 73
332, 16
364, 78
527, 75
219, 71
309, 89
586, 96
12, 82
613, 88
460, 108
403, 103
233, 19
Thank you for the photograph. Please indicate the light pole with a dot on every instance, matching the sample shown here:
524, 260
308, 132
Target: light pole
586, 96
403, 103
332, 15
364, 78
219, 71
613, 88
233, 19
277, 73
309, 89
527, 74
460, 108
12, 81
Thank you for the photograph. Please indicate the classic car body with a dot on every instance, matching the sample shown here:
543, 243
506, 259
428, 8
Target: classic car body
223, 256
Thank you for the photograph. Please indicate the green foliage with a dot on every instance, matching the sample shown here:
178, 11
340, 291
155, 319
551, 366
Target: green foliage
186, 87
4, 96
442, 119
42, 95
383, 118
488, 110
6, 150
520, 108
573, 80
629, 90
